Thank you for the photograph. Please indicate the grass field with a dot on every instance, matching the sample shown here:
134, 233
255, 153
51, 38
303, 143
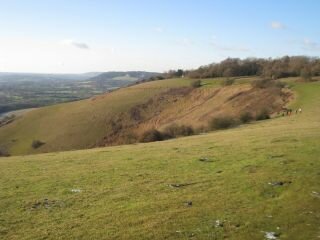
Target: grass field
257, 178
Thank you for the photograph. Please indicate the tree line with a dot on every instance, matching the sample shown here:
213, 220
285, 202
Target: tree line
294, 66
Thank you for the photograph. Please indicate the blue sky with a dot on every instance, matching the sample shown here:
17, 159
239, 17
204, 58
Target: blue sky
100, 35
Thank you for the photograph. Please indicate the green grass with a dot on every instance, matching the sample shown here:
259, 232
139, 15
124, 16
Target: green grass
126, 192
218, 82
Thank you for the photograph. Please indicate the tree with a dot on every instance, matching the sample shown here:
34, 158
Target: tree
227, 73
305, 74
179, 73
268, 68
195, 83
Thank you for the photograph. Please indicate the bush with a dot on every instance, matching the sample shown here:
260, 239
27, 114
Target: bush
222, 122
4, 153
36, 144
261, 83
175, 130
228, 82
280, 84
263, 115
195, 83
129, 138
305, 74
246, 117
151, 135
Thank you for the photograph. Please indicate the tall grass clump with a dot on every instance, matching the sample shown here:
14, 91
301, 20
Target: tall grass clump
263, 115
151, 135
246, 117
222, 122
175, 130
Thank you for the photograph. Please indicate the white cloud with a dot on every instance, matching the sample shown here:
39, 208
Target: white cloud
277, 25
306, 44
71, 42
310, 45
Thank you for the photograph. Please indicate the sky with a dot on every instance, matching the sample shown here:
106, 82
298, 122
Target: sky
77, 36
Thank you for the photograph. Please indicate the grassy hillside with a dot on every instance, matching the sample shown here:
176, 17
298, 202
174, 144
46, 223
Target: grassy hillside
124, 115
63, 126
234, 184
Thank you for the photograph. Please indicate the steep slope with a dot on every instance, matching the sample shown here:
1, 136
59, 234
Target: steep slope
122, 116
194, 107
258, 178
78, 124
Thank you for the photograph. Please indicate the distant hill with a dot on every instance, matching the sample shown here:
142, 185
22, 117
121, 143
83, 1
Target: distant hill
28, 90
123, 76
91, 76
37, 77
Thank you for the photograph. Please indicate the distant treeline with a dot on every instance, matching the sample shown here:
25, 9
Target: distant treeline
294, 66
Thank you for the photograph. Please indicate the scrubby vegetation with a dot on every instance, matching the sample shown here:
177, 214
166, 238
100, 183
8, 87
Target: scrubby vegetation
266, 83
195, 83
246, 117
171, 131
263, 115
217, 123
151, 135
7, 119
262, 83
228, 82
4, 152
36, 144
175, 130
222, 122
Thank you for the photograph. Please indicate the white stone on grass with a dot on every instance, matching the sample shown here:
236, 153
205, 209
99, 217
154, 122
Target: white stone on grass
74, 190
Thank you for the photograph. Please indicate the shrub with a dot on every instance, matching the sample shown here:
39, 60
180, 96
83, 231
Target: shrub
36, 144
135, 114
263, 115
246, 117
305, 74
261, 83
222, 122
129, 138
195, 83
228, 82
151, 135
175, 130
280, 84
4, 153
